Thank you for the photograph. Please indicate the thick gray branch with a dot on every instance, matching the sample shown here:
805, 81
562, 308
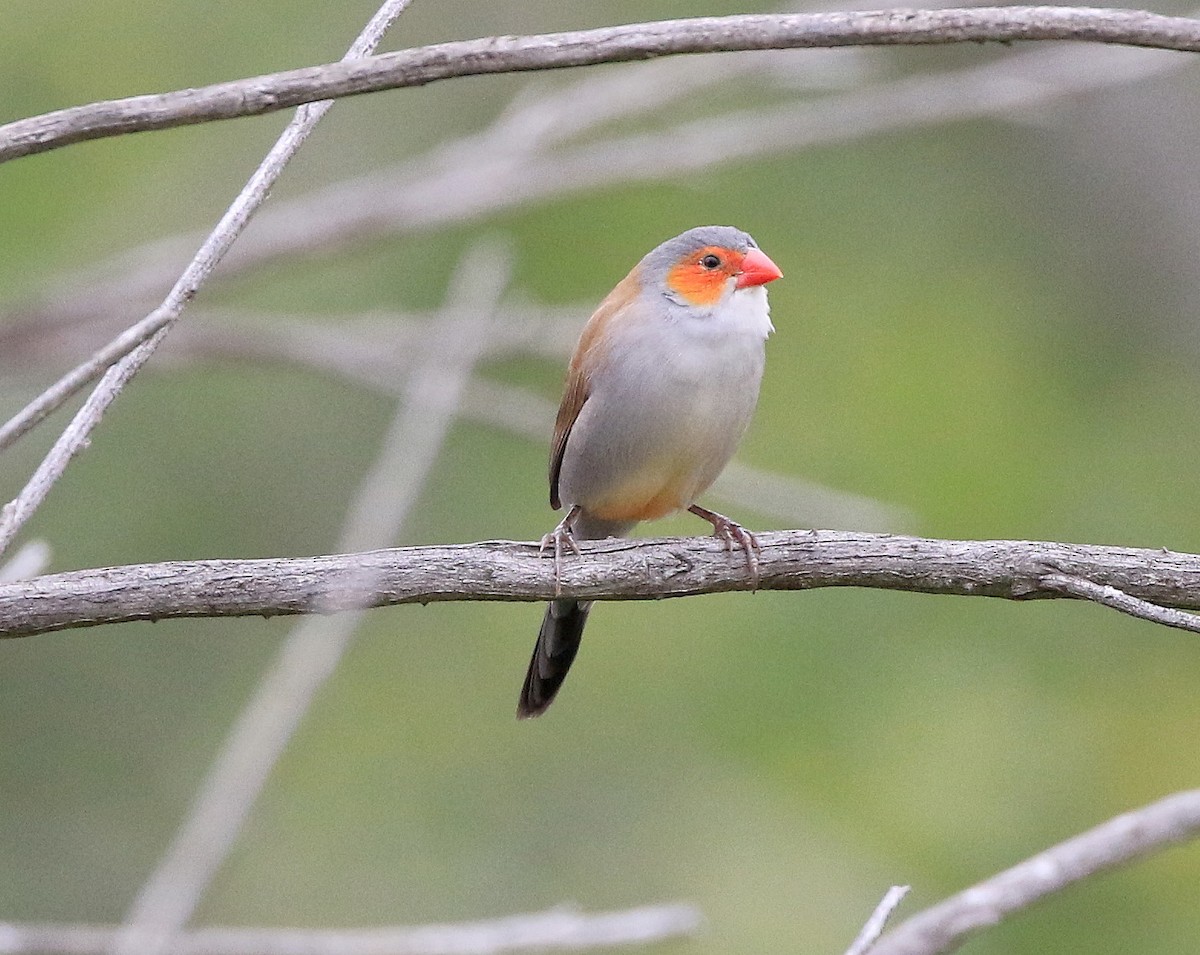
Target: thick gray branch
613, 570
508, 54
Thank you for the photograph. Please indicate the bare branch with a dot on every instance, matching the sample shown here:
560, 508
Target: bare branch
618, 569
416, 67
74, 439
1128, 837
472, 177
404, 199
79, 378
381, 341
875, 924
556, 930
140, 341
1117, 600
214, 247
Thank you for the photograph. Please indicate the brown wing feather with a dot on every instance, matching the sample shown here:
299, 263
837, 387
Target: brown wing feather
575, 395
578, 386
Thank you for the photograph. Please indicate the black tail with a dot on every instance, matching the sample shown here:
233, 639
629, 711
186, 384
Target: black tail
557, 643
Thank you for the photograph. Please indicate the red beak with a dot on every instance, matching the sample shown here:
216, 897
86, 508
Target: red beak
757, 269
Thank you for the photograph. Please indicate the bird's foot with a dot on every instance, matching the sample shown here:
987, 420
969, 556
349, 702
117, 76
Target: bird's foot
731, 532
557, 538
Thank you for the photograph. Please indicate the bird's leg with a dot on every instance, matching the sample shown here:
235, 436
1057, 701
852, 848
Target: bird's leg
557, 537
731, 532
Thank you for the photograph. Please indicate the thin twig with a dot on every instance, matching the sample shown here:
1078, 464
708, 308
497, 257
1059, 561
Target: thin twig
214, 247
878, 921
1119, 600
312, 651
383, 338
73, 440
947, 925
152, 329
556, 930
416, 67
618, 569
80, 377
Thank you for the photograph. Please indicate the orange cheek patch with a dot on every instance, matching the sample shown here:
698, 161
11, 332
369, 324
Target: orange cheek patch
696, 284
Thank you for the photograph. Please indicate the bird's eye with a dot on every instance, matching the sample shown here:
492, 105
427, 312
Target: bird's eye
711, 261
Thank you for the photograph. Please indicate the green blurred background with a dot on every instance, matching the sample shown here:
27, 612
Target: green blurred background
989, 323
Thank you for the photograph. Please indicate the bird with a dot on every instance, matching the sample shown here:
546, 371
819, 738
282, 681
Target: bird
659, 391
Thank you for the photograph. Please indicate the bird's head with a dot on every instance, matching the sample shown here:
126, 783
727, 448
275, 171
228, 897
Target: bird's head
704, 266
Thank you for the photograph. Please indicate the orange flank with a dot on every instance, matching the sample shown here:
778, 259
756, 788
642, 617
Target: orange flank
652, 493
701, 277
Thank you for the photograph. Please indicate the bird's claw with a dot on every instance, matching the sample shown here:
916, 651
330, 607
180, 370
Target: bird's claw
731, 532
557, 538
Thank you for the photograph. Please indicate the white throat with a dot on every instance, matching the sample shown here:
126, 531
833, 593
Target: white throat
747, 311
